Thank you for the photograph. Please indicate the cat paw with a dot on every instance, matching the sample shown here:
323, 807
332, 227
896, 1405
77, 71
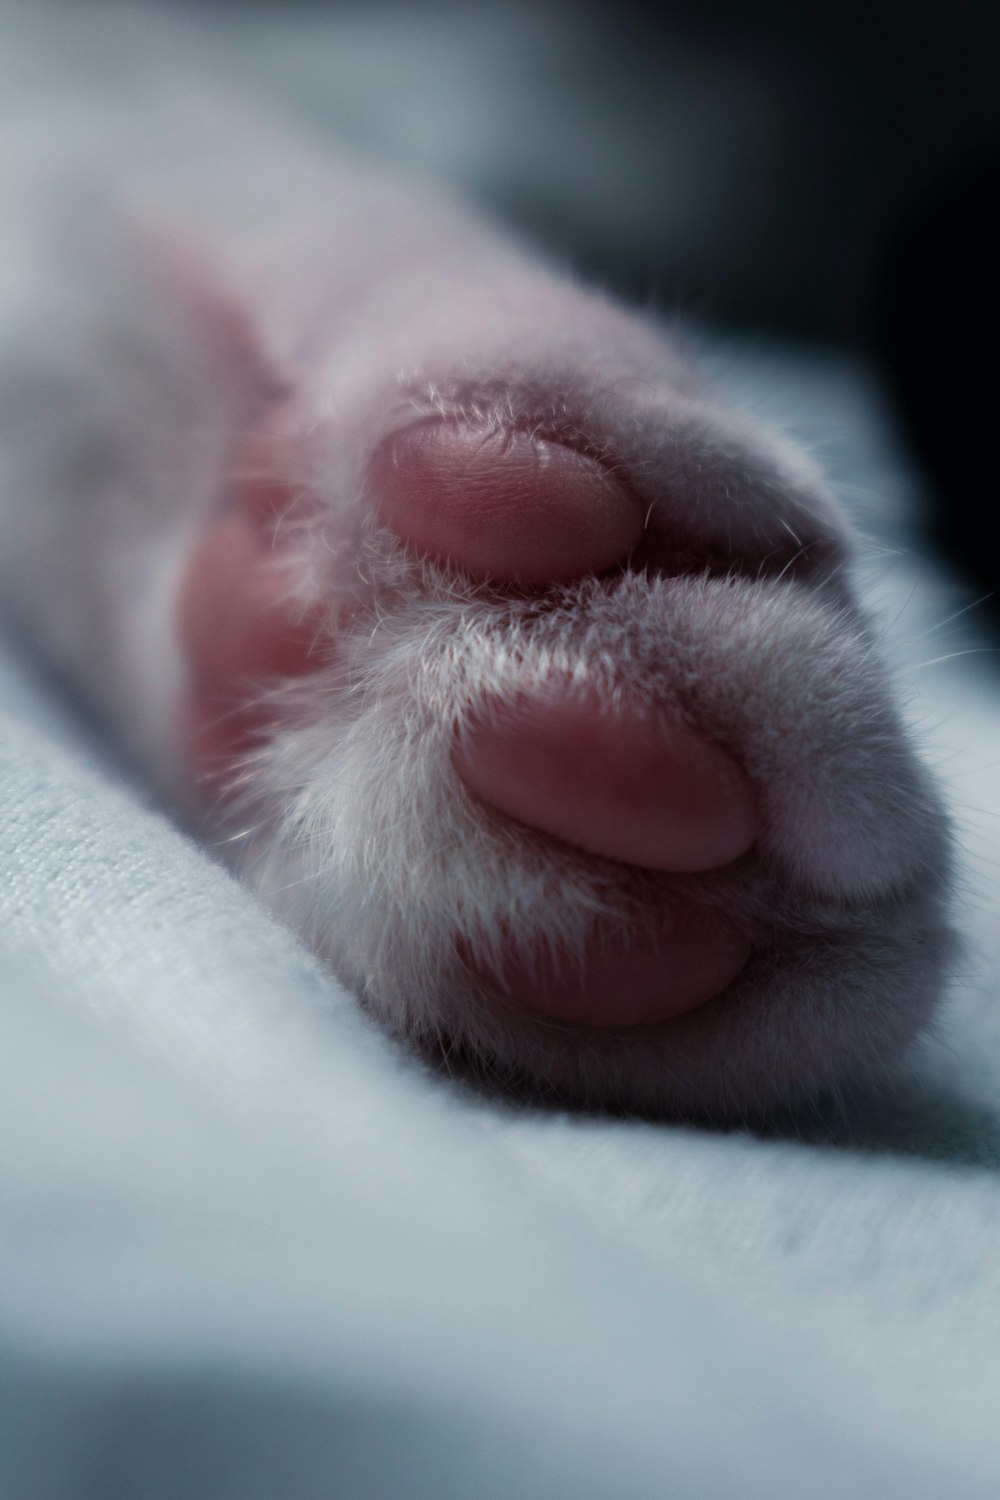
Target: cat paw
542, 691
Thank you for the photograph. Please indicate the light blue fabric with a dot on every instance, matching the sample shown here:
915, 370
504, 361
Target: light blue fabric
250, 1248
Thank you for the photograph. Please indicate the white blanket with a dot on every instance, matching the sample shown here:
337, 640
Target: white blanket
250, 1248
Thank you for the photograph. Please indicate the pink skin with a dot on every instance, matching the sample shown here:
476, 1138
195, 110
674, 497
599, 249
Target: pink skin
648, 791
236, 627
507, 505
621, 983
645, 790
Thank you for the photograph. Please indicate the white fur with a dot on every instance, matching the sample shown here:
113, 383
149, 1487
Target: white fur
165, 274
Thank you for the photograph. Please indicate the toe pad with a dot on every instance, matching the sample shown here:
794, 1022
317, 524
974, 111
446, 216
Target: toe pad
640, 787
504, 505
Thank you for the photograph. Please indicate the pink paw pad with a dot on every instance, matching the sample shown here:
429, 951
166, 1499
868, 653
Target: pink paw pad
504, 505
241, 625
630, 785
623, 983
